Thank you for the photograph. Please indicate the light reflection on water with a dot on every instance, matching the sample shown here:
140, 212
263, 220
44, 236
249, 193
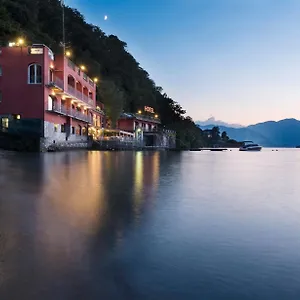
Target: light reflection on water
138, 225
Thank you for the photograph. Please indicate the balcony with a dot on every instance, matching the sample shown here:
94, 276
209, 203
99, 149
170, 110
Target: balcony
71, 113
80, 96
57, 82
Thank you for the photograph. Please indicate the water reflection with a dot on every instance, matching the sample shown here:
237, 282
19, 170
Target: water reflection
63, 213
137, 225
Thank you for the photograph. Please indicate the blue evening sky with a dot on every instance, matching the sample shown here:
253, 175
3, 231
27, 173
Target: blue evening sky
236, 60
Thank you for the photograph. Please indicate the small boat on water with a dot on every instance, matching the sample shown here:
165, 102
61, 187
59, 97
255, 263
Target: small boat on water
250, 146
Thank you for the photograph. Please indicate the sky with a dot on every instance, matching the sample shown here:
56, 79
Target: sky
236, 60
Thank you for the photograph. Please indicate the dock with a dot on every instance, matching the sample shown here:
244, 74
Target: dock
209, 149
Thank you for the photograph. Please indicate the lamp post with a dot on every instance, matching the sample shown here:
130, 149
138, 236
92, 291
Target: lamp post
62, 2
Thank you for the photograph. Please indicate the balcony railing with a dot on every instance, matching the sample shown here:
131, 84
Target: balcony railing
73, 92
57, 82
71, 113
71, 65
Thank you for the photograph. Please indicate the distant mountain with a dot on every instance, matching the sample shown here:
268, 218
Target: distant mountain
284, 133
213, 121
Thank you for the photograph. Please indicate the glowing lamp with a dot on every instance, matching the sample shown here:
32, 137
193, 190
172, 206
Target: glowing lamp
20, 42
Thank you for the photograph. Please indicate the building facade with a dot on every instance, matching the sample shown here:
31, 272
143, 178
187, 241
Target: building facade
139, 124
47, 96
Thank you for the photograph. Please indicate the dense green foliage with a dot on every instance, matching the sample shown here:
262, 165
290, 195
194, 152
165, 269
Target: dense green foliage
40, 21
113, 99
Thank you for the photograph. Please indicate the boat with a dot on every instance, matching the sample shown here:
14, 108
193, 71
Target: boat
250, 146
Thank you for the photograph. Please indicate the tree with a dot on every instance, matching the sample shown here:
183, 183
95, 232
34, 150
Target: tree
224, 136
113, 99
215, 132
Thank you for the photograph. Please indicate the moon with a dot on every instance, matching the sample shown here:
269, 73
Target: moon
105, 18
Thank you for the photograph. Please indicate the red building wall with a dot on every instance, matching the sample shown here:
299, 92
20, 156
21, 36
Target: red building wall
126, 124
19, 97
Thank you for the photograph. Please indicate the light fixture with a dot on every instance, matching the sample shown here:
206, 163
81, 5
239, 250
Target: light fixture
51, 66
139, 112
53, 93
18, 117
20, 41
95, 79
10, 44
82, 67
156, 116
68, 53
63, 98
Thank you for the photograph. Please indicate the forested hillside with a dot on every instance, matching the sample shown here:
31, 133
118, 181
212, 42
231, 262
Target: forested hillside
107, 57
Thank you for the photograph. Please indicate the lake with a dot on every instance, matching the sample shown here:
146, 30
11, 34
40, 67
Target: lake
150, 225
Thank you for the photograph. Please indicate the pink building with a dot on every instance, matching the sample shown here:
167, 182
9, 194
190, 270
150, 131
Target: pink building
47, 95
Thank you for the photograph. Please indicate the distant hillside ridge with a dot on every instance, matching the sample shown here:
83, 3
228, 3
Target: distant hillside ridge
284, 133
213, 121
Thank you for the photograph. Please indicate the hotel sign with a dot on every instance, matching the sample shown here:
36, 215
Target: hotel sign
36, 50
149, 109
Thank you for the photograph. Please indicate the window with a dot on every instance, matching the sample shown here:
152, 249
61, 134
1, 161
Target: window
0, 70
84, 131
34, 74
55, 127
73, 130
51, 75
5, 122
63, 128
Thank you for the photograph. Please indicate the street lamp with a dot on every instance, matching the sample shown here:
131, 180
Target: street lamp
20, 42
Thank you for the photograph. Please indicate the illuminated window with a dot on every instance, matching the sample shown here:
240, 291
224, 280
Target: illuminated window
5, 122
63, 128
34, 74
55, 127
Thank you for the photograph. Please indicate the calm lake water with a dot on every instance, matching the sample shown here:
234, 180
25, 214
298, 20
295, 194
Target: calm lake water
138, 225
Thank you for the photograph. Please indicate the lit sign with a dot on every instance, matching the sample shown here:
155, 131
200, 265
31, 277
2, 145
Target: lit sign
36, 51
149, 109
